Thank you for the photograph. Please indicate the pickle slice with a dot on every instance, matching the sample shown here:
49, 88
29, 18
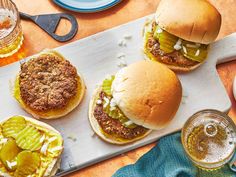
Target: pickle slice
8, 154
106, 85
13, 126
27, 163
195, 52
116, 113
29, 138
167, 41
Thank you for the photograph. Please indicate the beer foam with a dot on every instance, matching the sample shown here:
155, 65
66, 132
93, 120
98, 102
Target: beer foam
9, 17
219, 153
216, 152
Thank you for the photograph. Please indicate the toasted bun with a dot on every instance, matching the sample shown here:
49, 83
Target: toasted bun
55, 165
192, 20
53, 114
97, 129
148, 93
150, 56
55, 168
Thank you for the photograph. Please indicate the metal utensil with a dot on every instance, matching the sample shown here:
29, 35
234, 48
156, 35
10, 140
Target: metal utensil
49, 23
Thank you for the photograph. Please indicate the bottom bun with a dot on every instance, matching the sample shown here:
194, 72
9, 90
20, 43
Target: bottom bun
55, 164
52, 114
176, 68
98, 130
55, 168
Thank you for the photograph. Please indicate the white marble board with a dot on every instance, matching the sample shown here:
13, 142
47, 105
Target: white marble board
95, 57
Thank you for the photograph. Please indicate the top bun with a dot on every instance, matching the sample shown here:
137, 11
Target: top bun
193, 20
148, 93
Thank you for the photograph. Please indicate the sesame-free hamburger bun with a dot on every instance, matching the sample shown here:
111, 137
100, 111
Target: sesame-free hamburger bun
196, 20
180, 33
148, 93
48, 86
145, 95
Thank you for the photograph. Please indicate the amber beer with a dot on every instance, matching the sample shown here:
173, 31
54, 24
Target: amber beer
209, 138
11, 36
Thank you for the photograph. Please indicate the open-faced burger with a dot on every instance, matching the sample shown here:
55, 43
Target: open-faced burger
48, 86
29, 148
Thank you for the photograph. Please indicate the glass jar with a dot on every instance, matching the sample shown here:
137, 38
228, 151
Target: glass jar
11, 36
209, 139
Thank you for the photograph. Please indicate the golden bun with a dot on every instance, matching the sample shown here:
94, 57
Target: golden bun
193, 20
97, 129
55, 164
149, 56
52, 114
148, 93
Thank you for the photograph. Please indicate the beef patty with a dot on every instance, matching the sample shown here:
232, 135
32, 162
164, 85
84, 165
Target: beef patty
174, 58
47, 82
113, 126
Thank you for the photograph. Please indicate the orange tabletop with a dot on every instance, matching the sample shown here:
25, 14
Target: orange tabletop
37, 40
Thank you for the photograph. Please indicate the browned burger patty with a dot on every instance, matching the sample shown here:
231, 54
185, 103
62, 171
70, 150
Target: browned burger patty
175, 57
47, 82
113, 126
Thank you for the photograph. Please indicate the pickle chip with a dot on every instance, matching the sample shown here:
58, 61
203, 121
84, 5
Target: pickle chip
116, 113
167, 41
27, 163
29, 138
106, 85
195, 52
13, 126
8, 154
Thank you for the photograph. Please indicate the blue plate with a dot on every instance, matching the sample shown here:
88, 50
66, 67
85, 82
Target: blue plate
86, 6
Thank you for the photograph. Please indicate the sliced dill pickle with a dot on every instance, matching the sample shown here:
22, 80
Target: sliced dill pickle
27, 163
117, 114
132, 125
8, 154
114, 114
106, 85
195, 52
167, 41
29, 138
13, 126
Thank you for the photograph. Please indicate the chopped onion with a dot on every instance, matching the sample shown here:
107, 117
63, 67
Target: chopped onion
11, 164
185, 50
99, 102
3, 141
52, 139
197, 52
44, 148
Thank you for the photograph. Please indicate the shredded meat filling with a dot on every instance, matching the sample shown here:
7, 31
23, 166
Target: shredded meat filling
113, 126
47, 82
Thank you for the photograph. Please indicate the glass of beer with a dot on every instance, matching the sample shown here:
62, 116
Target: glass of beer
209, 139
11, 36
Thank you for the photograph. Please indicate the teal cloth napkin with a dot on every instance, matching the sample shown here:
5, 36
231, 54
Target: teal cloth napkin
168, 159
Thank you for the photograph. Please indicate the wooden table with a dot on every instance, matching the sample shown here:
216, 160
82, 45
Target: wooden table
36, 40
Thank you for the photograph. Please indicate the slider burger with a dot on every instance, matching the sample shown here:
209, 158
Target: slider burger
143, 96
29, 148
48, 86
180, 34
